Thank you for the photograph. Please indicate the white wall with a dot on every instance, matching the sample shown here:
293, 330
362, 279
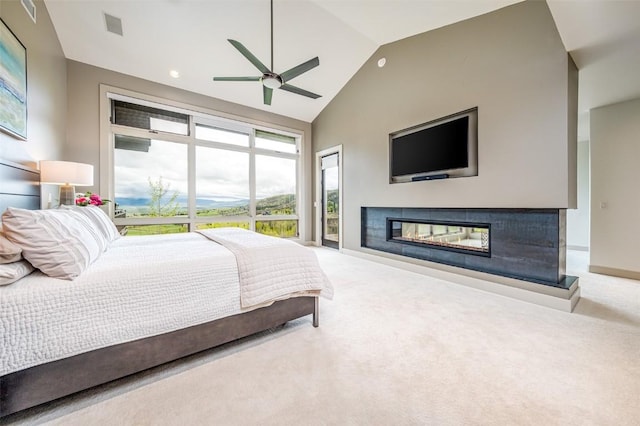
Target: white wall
512, 65
578, 219
46, 87
615, 198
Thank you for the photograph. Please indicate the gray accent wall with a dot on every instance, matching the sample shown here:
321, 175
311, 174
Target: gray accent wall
512, 65
46, 87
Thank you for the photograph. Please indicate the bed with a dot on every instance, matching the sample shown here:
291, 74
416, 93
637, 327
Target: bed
143, 302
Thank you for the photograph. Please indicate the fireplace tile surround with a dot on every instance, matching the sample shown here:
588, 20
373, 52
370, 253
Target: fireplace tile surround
526, 244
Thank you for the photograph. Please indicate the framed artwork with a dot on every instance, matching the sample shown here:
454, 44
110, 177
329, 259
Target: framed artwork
13, 84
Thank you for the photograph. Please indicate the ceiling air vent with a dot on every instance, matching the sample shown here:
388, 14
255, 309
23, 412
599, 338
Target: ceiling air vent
30, 7
114, 25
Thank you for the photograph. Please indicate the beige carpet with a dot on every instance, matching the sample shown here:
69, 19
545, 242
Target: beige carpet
398, 348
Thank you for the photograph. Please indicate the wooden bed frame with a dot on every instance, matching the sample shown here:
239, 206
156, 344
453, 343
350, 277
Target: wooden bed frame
46, 382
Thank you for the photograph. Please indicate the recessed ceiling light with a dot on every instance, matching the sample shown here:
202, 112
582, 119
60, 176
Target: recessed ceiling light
381, 62
174, 74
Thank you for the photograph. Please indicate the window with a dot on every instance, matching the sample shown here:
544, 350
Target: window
151, 182
219, 135
145, 117
275, 185
222, 182
276, 195
275, 142
174, 171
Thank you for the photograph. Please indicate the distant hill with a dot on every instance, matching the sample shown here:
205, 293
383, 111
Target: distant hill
278, 204
135, 202
124, 202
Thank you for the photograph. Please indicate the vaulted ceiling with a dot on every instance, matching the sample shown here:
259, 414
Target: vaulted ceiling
190, 36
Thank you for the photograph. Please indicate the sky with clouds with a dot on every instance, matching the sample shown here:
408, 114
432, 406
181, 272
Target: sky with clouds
220, 174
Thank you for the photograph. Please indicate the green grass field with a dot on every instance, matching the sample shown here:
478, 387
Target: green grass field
277, 228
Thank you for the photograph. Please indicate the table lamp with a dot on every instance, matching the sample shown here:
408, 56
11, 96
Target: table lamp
67, 174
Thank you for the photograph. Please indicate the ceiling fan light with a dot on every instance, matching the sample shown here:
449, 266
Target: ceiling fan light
271, 82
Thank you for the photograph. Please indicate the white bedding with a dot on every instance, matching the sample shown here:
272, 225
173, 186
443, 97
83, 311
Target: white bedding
140, 287
271, 268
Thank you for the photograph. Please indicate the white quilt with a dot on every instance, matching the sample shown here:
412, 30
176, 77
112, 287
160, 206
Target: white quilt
271, 268
142, 287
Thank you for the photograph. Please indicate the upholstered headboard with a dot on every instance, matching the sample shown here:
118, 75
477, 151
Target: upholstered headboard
19, 186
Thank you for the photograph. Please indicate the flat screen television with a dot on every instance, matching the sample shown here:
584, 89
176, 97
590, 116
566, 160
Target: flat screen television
442, 148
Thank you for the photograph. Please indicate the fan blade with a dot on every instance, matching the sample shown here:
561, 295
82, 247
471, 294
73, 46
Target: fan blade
267, 93
245, 52
302, 68
299, 91
236, 78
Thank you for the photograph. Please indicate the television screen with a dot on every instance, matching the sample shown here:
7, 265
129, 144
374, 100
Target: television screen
440, 147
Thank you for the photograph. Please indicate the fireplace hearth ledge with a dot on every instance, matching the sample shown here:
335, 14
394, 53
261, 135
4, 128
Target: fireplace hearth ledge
563, 299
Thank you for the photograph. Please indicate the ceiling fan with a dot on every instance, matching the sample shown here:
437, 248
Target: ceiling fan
269, 79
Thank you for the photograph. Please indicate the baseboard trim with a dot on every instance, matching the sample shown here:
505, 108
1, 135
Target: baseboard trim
551, 297
622, 273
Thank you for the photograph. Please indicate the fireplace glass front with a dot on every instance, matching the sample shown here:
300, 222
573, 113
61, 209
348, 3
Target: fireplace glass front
467, 238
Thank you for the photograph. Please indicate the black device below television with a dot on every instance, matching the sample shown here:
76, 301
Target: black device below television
439, 149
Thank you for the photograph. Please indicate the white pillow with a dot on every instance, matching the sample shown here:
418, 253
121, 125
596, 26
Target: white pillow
100, 220
12, 272
61, 243
9, 252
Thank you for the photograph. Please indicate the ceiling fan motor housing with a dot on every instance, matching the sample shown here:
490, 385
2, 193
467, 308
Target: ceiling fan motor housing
272, 80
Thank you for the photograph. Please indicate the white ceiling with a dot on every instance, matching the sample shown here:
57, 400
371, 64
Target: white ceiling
190, 36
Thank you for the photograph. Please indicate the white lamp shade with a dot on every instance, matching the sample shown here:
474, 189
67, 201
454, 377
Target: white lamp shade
66, 173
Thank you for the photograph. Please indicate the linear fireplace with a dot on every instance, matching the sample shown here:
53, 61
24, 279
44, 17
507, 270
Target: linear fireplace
471, 238
526, 244
524, 249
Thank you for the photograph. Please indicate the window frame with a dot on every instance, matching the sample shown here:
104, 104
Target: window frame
203, 117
